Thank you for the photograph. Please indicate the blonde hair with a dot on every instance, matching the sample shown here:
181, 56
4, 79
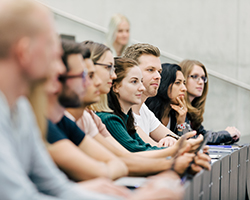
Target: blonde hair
102, 105
196, 108
38, 101
115, 21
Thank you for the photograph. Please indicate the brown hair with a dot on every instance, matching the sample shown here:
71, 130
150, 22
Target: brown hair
136, 50
96, 52
196, 108
96, 49
121, 69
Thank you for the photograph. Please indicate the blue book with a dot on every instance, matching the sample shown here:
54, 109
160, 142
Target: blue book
223, 147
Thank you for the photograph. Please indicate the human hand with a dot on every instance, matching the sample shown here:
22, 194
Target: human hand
181, 144
105, 186
181, 109
234, 132
167, 142
166, 185
192, 163
201, 161
206, 150
182, 162
195, 143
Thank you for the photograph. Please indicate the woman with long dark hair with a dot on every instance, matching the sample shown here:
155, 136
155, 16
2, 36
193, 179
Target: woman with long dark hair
181, 114
169, 105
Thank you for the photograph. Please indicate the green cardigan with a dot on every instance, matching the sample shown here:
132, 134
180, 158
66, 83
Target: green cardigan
118, 130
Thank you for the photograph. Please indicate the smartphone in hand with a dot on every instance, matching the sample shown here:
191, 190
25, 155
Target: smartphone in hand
204, 142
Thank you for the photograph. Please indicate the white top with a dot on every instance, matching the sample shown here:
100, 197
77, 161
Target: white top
147, 121
169, 123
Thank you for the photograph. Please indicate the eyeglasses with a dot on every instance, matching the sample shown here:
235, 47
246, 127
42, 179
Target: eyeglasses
83, 75
197, 78
110, 68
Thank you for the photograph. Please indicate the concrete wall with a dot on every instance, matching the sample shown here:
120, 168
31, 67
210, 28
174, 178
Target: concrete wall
216, 33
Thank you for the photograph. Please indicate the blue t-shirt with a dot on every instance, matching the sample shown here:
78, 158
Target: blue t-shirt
64, 129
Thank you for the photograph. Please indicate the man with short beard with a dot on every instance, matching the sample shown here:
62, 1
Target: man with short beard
148, 58
65, 136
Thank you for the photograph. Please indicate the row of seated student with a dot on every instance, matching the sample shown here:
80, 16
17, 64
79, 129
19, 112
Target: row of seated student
78, 77
59, 101
180, 101
30, 63
188, 114
65, 136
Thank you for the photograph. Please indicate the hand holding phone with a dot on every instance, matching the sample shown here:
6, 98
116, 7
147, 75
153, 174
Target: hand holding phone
204, 142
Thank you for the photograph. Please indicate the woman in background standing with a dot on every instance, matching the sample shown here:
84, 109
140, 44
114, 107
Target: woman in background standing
118, 34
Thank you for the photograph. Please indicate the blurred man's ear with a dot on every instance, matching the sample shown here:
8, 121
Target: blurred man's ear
22, 51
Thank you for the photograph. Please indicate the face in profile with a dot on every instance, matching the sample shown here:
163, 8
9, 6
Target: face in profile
178, 88
92, 94
122, 35
195, 82
105, 71
53, 85
150, 66
74, 82
131, 88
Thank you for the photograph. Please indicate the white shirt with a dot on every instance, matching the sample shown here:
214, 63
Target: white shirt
169, 123
147, 121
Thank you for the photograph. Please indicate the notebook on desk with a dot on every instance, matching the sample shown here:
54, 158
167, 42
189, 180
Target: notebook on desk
222, 148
